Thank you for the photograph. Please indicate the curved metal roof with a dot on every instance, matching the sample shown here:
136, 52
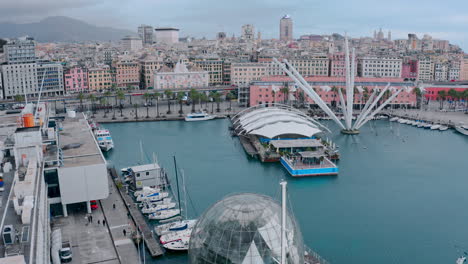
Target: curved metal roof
272, 122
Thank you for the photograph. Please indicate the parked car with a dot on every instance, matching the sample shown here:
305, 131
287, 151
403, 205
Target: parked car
66, 252
94, 205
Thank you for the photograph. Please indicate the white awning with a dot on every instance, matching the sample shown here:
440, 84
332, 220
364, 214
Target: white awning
283, 128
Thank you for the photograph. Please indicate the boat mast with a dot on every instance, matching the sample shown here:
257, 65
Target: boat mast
177, 181
283, 221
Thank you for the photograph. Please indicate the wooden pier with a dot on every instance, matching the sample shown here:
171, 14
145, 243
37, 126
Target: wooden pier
151, 243
248, 147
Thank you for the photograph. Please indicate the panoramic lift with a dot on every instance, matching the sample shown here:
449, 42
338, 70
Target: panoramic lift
346, 103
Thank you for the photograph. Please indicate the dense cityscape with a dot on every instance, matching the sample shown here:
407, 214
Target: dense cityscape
165, 148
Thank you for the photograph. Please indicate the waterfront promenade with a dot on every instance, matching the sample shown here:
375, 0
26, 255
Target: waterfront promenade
435, 116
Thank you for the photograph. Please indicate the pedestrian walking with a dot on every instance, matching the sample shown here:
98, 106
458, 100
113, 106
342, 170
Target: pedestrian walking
113, 206
99, 222
87, 219
90, 218
104, 222
124, 232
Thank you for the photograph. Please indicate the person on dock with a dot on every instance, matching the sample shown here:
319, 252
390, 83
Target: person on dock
99, 222
113, 206
104, 222
124, 232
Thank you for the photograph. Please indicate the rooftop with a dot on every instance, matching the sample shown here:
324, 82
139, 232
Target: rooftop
84, 151
146, 167
296, 143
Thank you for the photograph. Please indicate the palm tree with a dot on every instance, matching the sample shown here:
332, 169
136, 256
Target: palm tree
416, 91
19, 98
230, 97
107, 94
81, 96
194, 95
136, 111
121, 96
156, 95
92, 98
217, 99
147, 97
180, 97
453, 95
211, 96
465, 96
103, 102
273, 94
202, 97
285, 92
441, 95
168, 94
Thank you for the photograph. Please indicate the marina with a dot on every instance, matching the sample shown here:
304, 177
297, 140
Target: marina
384, 186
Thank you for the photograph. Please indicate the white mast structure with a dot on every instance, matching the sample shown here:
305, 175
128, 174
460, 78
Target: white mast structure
283, 221
346, 105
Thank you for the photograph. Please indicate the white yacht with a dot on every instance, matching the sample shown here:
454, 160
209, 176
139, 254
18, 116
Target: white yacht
152, 197
393, 119
174, 236
443, 128
104, 139
175, 226
435, 127
178, 245
155, 208
463, 129
199, 116
167, 200
164, 214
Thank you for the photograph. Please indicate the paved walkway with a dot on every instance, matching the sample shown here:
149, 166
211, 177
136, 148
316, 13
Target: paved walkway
117, 220
91, 242
452, 118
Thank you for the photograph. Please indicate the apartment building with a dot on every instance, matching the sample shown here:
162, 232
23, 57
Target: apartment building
76, 80
148, 67
127, 73
425, 70
99, 78
244, 73
338, 65
383, 67
214, 67
317, 65
180, 77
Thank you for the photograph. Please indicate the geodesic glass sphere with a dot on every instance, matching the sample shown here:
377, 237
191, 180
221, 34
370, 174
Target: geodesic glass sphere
243, 229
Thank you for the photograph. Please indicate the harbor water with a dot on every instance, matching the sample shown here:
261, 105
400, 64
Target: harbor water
401, 195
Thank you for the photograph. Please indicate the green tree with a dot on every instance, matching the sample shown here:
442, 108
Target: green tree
441, 96
136, 111
102, 103
121, 96
168, 94
147, 97
417, 91
157, 95
452, 93
285, 92
107, 94
180, 99
194, 96
231, 97
93, 99
81, 97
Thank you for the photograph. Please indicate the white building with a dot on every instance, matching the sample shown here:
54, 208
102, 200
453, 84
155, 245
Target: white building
20, 51
385, 67
248, 32
167, 35
130, 43
425, 69
180, 77
148, 175
27, 79
286, 28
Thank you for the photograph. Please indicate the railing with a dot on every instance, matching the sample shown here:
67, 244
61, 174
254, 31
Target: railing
313, 257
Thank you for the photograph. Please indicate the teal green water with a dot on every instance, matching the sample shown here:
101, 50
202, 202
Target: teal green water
401, 195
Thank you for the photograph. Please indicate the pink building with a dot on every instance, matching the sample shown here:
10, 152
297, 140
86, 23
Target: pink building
409, 70
76, 80
261, 92
432, 92
338, 65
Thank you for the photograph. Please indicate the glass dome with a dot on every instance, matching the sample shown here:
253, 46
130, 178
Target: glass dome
242, 229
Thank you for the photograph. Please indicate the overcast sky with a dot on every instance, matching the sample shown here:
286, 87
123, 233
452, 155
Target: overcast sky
442, 19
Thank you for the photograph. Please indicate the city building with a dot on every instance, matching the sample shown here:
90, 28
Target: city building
180, 77
146, 34
19, 51
130, 43
248, 32
286, 28
149, 65
315, 65
244, 73
76, 80
374, 66
99, 78
50, 78
409, 69
127, 73
282, 89
338, 65
167, 35
464, 68
214, 67
425, 69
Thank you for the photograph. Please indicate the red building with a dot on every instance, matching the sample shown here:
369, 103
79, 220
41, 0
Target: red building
431, 91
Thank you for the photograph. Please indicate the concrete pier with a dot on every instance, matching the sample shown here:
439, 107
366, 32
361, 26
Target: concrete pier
151, 239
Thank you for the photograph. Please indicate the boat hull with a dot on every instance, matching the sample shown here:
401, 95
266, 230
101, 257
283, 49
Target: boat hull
188, 119
462, 130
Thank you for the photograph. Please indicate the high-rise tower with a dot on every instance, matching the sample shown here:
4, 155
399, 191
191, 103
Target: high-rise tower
286, 28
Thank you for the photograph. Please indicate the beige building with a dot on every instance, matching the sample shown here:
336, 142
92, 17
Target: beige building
386, 67
127, 73
148, 67
464, 68
244, 73
214, 67
99, 78
317, 65
425, 70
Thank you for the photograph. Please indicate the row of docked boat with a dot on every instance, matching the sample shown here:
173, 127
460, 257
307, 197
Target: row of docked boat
420, 123
378, 117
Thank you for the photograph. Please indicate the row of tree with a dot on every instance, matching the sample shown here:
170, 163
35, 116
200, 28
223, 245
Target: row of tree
455, 98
